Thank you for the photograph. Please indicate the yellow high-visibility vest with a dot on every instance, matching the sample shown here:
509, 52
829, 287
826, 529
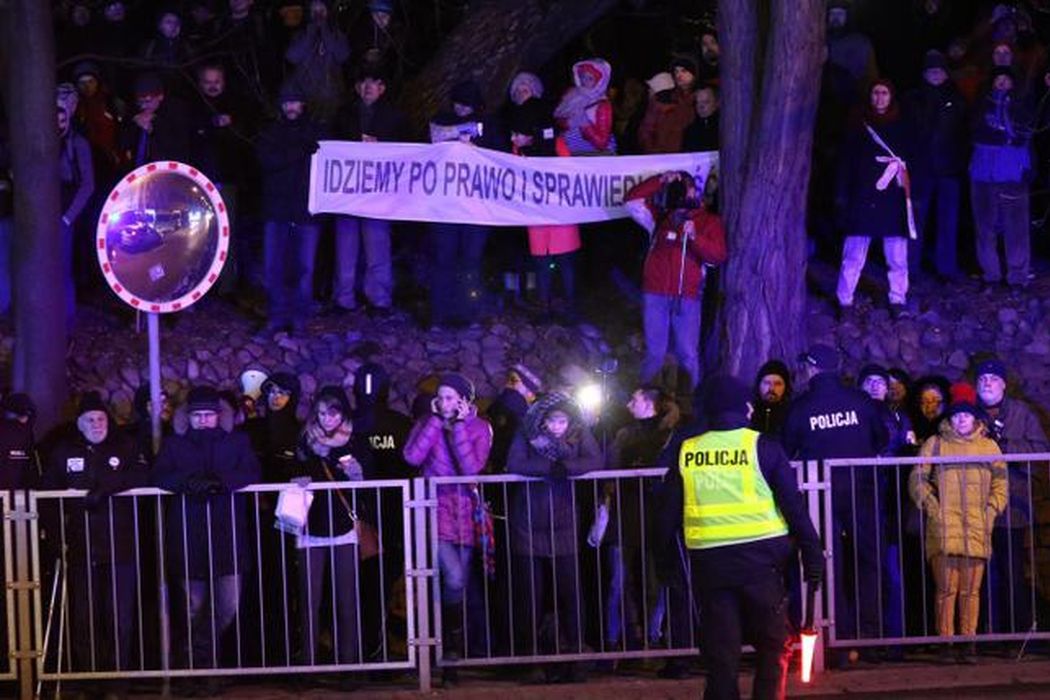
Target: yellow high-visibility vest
726, 500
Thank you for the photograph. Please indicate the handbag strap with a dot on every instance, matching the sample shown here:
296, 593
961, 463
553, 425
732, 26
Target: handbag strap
339, 494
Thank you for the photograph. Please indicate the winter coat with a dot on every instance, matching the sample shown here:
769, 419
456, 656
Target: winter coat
861, 209
666, 117
284, 149
941, 131
382, 120
223, 153
329, 516
586, 115
631, 499
1017, 430
18, 462
961, 501
702, 134
318, 53
170, 139
833, 421
1002, 140
542, 516
459, 449
554, 239
112, 466
206, 466
663, 264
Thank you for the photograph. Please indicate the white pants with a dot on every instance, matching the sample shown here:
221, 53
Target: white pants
855, 253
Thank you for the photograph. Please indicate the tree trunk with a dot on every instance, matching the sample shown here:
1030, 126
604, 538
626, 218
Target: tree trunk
495, 40
767, 132
38, 272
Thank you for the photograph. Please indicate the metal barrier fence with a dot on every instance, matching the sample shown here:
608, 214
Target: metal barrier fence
150, 584
962, 566
546, 594
499, 567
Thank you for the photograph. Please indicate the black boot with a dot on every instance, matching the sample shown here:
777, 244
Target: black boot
452, 640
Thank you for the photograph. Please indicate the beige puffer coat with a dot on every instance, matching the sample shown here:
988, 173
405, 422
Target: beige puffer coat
961, 501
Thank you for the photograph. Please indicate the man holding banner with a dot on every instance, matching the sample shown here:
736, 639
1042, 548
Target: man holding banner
369, 119
683, 237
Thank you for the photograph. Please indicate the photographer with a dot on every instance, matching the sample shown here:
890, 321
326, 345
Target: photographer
683, 237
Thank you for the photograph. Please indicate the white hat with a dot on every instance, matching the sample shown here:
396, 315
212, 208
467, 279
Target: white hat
660, 82
251, 383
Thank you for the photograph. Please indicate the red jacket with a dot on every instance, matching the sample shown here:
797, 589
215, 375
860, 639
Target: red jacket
663, 264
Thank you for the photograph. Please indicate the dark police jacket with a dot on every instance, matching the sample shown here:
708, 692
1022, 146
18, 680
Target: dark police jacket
18, 467
112, 466
833, 421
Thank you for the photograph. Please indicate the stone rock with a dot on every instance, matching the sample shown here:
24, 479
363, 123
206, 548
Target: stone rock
959, 360
193, 370
130, 375
1007, 315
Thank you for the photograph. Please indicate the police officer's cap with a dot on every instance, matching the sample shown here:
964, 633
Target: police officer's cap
823, 357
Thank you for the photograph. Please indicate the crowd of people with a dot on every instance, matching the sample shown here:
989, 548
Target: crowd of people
895, 166
959, 520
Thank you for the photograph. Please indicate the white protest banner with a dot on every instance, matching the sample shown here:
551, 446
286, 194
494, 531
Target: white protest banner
457, 182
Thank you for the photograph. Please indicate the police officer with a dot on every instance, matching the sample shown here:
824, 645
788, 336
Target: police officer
98, 535
738, 507
829, 421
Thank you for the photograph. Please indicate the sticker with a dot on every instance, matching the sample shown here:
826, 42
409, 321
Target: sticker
114, 461
74, 465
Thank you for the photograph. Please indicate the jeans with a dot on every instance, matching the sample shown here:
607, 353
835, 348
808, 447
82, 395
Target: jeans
208, 617
662, 317
621, 607
454, 567
336, 566
754, 613
939, 196
854, 255
455, 281
1002, 206
351, 234
566, 265
289, 253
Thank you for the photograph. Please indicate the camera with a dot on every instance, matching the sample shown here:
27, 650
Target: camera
675, 194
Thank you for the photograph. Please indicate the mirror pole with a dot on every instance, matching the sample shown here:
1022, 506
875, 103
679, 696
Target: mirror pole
153, 322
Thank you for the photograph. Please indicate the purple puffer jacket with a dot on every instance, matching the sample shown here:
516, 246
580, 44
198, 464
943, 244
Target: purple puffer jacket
459, 451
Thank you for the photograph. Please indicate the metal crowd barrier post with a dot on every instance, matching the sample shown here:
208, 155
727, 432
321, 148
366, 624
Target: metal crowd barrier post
9, 630
24, 584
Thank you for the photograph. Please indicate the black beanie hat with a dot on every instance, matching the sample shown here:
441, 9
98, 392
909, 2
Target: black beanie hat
777, 367
91, 401
202, 398
463, 386
870, 370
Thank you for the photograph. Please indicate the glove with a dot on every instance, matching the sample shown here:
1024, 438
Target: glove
813, 569
202, 486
